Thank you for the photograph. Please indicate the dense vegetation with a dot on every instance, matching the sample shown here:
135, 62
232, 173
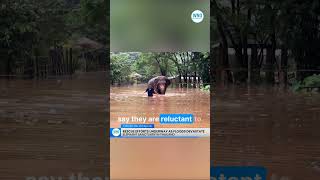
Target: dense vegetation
126, 67
273, 41
310, 83
289, 25
29, 28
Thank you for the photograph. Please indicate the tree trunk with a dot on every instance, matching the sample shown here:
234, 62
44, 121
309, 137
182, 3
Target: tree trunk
269, 66
8, 68
223, 68
233, 8
36, 67
194, 79
71, 62
238, 7
246, 62
254, 65
283, 66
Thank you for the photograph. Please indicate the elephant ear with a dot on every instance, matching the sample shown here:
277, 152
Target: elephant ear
168, 81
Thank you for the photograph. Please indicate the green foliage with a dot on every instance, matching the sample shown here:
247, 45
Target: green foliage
312, 81
27, 28
18, 21
121, 68
289, 23
203, 66
206, 88
296, 86
30, 28
94, 11
309, 82
31, 24
93, 19
148, 65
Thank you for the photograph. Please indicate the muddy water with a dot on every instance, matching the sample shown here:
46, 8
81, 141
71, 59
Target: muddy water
132, 101
159, 158
56, 127
53, 127
267, 127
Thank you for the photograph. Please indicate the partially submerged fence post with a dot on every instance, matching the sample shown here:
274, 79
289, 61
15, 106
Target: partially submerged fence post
35, 67
71, 62
66, 62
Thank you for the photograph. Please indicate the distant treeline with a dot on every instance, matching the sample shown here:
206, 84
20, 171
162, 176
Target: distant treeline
140, 67
256, 30
31, 29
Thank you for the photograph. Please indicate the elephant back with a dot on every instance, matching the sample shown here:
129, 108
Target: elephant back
154, 81
151, 81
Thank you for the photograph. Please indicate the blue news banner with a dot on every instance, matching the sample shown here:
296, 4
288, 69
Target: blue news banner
149, 130
238, 173
116, 132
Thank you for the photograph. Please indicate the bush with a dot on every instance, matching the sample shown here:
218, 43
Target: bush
206, 88
311, 81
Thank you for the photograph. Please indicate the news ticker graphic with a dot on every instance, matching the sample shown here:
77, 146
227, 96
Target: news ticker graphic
238, 173
149, 130
159, 132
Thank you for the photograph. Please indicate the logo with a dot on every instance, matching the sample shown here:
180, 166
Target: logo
197, 16
116, 132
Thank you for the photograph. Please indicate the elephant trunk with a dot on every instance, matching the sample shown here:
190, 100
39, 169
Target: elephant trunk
161, 88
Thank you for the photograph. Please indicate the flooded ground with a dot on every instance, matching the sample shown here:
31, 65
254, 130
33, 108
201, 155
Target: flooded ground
133, 101
267, 127
53, 127
56, 127
169, 158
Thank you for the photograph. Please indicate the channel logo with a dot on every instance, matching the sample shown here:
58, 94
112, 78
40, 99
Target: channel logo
115, 132
197, 16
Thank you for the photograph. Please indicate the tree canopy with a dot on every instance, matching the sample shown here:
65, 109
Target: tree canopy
290, 25
147, 65
30, 27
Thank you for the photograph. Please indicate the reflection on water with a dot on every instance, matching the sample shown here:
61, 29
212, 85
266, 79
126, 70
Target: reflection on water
160, 158
52, 127
269, 127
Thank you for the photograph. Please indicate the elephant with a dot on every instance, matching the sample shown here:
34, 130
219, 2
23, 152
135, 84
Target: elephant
159, 84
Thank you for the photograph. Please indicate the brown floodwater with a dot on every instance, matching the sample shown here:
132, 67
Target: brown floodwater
53, 127
267, 126
160, 158
132, 101
57, 127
